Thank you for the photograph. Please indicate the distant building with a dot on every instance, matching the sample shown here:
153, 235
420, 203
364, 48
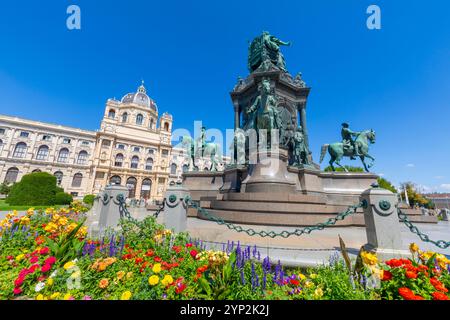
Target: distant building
441, 200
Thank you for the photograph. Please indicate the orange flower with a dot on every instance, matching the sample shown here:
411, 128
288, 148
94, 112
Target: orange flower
406, 293
103, 283
411, 275
439, 296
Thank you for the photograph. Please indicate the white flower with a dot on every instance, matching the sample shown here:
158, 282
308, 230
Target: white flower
39, 286
54, 273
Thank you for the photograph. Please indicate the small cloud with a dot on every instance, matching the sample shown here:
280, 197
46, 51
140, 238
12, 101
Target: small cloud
381, 174
410, 165
445, 186
439, 177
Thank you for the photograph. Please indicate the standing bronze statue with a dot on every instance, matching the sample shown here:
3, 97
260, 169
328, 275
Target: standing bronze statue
266, 48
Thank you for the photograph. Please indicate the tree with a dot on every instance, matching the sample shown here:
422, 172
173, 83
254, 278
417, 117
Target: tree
5, 188
414, 197
386, 184
34, 189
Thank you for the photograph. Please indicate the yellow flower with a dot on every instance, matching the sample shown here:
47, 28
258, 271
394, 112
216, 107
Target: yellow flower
309, 284
69, 265
157, 268
167, 280
54, 296
30, 212
40, 297
50, 282
313, 275
129, 275
24, 220
20, 257
51, 227
62, 221
67, 296
318, 293
126, 295
76, 274
120, 275
153, 280
103, 283
301, 276
55, 217
369, 258
413, 248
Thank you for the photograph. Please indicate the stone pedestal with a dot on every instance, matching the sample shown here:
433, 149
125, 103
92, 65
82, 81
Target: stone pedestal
269, 174
203, 183
175, 208
232, 178
382, 224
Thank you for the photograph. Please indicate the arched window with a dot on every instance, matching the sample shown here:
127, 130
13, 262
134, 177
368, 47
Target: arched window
119, 160
112, 113
134, 162
152, 122
76, 181
124, 117
146, 188
11, 175
63, 155
139, 119
173, 168
131, 185
59, 177
42, 153
149, 164
115, 180
1, 145
36, 170
166, 126
185, 168
20, 150
82, 157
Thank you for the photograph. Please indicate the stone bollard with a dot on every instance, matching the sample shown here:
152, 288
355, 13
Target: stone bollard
382, 224
106, 214
175, 208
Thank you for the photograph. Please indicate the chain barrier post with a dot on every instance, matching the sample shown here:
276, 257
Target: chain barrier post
175, 207
382, 223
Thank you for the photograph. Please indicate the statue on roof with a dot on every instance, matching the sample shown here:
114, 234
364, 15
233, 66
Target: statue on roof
266, 48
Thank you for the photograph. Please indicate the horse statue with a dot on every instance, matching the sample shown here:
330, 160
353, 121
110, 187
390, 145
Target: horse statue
337, 150
210, 150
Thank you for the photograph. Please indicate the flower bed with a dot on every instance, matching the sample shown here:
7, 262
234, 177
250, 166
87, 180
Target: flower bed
45, 255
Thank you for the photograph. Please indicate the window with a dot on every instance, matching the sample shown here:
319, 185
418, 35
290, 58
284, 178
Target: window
136, 149
99, 175
173, 168
185, 168
166, 126
76, 181
36, 170
63, 155
152, 122
1, 145
119, 160
24, 134
46, 137
66, 140
112, 113
11, 175
106, 143
124, 117
151, 151
82, 157
2, 131
149, 164
85, 143
161, 181
20, 150
146, 188
131, 185
74, 194
165, 153
115, 180
134, 162
120, 146
42, 153
59, 177
139, 119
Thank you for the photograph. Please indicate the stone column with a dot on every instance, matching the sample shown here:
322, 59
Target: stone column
382, 224
302, 110
236, 115
175, 208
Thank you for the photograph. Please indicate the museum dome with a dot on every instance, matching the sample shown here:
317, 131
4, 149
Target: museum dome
141, 98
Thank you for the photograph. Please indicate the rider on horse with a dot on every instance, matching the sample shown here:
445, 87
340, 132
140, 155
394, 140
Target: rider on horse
347, 140
201, 142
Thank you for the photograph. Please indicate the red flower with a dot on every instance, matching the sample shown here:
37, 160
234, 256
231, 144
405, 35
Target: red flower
17, 291
33, 268
46, 267
18, 282
387, 275
9, 258
50, 260
202, 269
406, 261
406, 293
157, 259
188, 245
149, 253
24, 272
394, 263
294, 282
44, 251
42, 278
177, 249
411, 275
34, 259
422, 268
418, 298
180, 288
180, 259
138, 260
193, 253
127, 256
439, 296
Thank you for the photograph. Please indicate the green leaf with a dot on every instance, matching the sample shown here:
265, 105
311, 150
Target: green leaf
204, 284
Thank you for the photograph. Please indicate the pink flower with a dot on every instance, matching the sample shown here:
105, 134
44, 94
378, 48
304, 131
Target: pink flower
46, 267
87, 298
33, 268
17, 291
193, 253
18, 282
34, 259
44, 251
188, 245
50, 260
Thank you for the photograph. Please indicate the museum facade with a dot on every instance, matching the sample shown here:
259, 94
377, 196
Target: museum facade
131, 148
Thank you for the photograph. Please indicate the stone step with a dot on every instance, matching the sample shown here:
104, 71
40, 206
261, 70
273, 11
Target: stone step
423, 219
272, 197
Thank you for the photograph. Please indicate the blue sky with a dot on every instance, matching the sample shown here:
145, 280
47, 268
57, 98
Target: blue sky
395, 80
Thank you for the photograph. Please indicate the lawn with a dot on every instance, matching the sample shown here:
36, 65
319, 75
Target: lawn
6, 207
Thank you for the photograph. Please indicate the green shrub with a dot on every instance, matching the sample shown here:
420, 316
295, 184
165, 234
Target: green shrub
89, 199
5, 188
63, 198
34, 189
349, 168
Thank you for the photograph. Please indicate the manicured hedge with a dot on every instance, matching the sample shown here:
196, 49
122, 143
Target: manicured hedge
89, 199
63, 198
34, 189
